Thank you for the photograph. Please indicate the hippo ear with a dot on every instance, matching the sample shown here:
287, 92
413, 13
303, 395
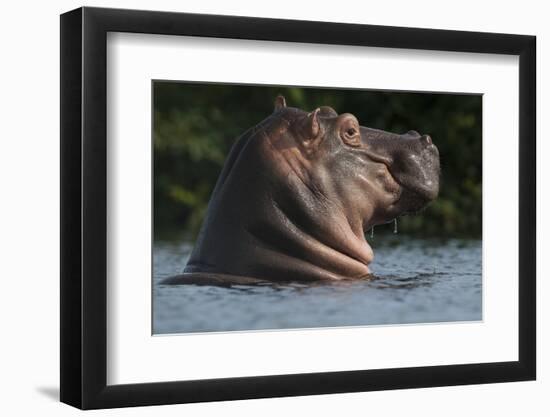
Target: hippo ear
310, 125
280, 103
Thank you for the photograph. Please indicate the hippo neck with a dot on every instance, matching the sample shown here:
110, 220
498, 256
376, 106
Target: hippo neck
302, 225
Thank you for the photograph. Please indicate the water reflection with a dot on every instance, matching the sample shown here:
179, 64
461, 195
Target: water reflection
414, 281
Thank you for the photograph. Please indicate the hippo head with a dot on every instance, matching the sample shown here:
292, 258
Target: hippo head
373, 174
299, 190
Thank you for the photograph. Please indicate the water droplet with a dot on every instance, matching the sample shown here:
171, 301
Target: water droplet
395, 225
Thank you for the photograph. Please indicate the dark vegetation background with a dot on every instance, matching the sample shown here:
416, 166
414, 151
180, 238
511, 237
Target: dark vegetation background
195, 125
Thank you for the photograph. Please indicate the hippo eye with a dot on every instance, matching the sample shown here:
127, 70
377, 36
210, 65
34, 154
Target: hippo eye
351, 136
349, 130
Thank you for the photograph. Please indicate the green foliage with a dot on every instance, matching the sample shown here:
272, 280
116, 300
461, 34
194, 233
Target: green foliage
196, 124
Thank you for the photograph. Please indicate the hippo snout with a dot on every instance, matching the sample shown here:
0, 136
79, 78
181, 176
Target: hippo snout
416, 167
413, 161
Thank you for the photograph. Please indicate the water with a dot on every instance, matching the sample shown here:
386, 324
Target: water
418, 281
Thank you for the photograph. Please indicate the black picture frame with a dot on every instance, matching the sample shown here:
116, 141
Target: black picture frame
84, 207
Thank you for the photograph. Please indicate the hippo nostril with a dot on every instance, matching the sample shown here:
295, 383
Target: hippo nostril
413, 133
426, 139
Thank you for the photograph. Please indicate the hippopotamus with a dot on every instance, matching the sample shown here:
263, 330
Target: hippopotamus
297, 193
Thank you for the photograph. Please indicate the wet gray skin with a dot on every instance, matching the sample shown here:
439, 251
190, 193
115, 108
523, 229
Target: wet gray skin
297, 193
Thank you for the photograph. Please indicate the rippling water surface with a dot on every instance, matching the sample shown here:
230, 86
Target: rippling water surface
418, 281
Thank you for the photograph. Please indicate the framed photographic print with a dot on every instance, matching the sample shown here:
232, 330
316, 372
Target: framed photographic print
258, 208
